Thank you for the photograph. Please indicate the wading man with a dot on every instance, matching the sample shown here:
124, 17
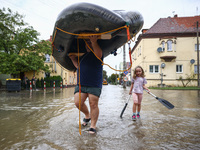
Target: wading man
91, 78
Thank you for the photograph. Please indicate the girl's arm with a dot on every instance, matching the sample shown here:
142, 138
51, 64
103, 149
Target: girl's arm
130, 92
144, 87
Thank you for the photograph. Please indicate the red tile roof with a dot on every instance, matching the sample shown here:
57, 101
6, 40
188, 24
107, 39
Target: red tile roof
175, 25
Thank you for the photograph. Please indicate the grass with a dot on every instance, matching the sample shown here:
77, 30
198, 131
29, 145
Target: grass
177, 88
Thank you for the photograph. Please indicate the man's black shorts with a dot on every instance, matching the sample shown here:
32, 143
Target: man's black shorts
91, 90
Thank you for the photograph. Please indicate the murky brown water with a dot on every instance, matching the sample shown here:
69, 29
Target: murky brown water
49, 121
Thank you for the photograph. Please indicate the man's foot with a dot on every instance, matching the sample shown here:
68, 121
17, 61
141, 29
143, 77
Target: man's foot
138, 116
92, 131
85, 122
133, 117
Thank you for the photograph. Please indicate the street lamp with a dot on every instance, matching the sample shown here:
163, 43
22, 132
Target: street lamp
162, 67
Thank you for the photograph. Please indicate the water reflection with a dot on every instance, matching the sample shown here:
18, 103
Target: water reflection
49, 120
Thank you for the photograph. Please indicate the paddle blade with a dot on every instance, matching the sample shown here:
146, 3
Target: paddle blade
165, 103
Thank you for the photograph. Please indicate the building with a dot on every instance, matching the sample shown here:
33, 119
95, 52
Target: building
56, 69
168, 51
69, 77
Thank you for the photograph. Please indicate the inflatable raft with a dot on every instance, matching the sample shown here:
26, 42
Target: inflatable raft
85, 18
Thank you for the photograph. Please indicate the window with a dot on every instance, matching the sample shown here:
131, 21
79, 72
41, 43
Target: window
135, 54
70, 79
140, 50
47, 74
179, 68
154, 68
196, 47
47, 58
163, 45
169, 45
195, 69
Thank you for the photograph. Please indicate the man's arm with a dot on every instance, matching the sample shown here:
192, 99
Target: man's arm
74, 60
95, 46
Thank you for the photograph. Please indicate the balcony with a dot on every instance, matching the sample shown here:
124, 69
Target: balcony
168, 56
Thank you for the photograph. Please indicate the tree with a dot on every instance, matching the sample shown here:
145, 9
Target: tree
188, 79
113, 78
20, 48
105, 75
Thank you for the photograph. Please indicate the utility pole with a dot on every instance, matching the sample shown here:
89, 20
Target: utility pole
116, 74
124, 64
198, 52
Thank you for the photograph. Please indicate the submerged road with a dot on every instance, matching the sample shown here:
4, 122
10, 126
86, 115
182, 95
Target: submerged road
49, 121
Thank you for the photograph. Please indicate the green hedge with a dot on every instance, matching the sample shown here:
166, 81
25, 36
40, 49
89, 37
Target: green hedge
49, 81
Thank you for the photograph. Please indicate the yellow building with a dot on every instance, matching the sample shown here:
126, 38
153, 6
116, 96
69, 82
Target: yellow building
168, 51
69, 77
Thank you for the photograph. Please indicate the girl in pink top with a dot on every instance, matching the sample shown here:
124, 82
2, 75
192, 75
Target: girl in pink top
137, 85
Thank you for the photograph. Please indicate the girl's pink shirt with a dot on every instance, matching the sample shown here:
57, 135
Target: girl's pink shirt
138, 84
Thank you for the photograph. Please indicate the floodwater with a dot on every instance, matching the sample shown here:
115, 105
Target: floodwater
48, 120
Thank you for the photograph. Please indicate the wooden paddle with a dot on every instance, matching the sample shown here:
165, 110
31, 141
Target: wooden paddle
86, 36
76, 54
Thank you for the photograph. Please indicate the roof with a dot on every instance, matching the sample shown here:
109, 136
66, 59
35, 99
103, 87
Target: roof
171, 26
174, 25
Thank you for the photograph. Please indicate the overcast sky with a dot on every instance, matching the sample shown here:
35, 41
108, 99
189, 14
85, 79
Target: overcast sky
42, 14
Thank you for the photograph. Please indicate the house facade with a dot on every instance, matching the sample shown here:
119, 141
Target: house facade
69, 77
168, 51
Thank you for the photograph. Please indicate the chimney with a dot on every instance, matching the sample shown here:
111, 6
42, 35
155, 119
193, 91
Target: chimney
175, 16
144, 31
50, 38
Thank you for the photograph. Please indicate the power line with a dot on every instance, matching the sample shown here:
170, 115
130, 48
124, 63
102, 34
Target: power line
28, 11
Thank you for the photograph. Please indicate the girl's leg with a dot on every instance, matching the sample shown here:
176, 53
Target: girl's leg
134, 107
139, 105
135, 102
138, 108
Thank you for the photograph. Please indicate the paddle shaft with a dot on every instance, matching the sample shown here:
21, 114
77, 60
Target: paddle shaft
162, 101
125, 106
152, 94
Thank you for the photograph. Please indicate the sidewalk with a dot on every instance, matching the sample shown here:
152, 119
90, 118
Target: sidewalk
3, 88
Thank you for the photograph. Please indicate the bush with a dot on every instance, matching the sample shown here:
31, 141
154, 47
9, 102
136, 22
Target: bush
49, 81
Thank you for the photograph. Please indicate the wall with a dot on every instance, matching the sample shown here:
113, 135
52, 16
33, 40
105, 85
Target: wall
146, 54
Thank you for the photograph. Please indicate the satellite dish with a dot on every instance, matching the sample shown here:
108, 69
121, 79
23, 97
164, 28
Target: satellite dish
159, 49
163, 65
192, 61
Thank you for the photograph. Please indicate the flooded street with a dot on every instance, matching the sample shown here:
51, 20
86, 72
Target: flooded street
49, 121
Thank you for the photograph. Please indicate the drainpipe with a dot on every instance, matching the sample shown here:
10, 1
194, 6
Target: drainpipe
198, 53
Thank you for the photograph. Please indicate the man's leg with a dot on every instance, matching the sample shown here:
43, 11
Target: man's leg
84, 108
94, 109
